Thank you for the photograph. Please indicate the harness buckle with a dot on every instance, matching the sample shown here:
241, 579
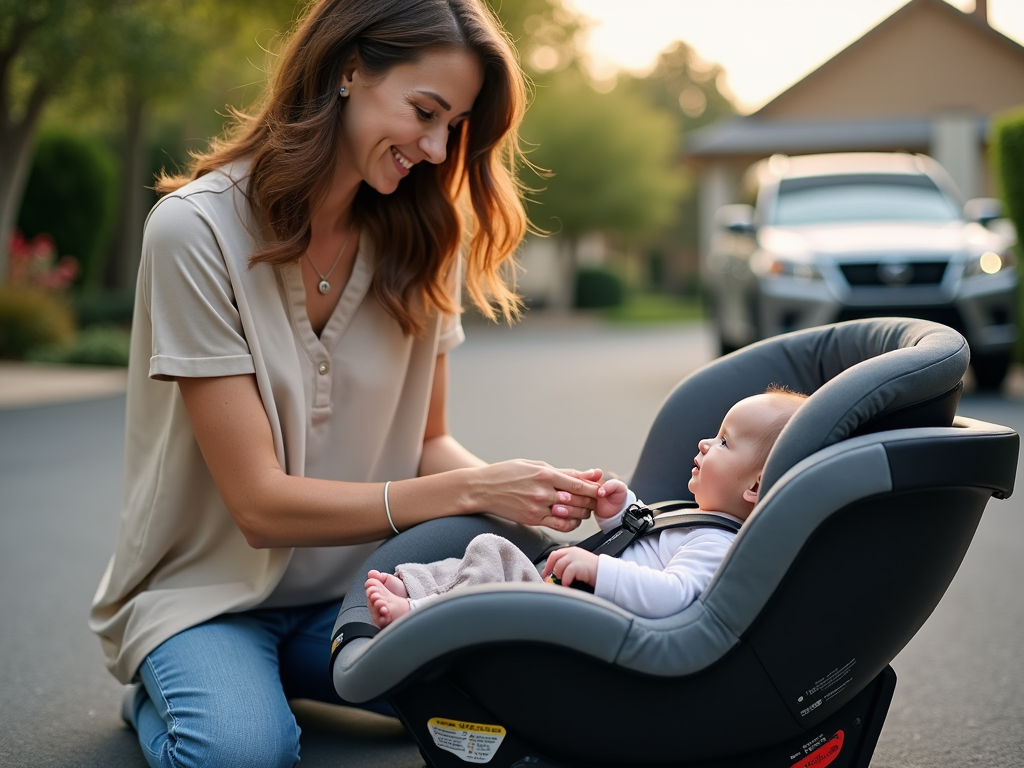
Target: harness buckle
637, 519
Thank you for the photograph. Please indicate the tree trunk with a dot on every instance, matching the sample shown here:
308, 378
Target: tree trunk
17, 138
124, 267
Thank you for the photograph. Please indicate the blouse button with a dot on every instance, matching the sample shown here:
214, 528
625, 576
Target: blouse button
324, 367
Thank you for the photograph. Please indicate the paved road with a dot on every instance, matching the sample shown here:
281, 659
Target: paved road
572, 394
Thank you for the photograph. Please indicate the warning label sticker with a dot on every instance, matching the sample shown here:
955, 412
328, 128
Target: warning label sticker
472, 742
823, 755
828, 687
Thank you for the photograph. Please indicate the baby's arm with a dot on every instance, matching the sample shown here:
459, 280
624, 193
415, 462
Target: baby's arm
654, 592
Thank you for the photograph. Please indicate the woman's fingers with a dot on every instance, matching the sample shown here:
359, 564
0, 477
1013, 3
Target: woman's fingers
590, 475
564, 481
576, 513
560, 524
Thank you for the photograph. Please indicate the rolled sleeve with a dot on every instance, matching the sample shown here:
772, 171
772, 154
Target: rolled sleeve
197, 331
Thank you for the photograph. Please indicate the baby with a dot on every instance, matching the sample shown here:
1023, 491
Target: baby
656, 575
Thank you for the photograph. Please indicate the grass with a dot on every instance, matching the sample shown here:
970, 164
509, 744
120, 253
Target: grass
655, 308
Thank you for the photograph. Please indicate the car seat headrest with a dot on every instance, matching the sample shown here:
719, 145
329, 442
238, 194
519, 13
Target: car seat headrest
861, 375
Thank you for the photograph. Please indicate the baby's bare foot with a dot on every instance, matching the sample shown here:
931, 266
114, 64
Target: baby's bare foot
391, 582
385, 606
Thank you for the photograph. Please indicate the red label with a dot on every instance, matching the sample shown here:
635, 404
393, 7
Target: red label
824, 754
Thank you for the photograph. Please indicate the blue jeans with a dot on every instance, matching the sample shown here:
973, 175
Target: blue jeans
218, 692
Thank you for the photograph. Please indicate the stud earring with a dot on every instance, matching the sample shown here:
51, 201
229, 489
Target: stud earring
343, 91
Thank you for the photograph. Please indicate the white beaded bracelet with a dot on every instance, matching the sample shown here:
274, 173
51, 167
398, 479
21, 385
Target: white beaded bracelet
387, 507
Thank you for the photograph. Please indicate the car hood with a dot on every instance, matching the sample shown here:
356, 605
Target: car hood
869, 238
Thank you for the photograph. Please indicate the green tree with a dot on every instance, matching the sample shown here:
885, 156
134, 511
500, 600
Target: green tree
691, 89
685, 85
41, 45
546, 35
612, 164
153, 55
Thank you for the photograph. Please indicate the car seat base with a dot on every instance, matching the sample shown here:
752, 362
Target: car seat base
452, 730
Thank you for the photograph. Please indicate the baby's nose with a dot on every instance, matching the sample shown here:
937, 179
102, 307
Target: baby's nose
704, 445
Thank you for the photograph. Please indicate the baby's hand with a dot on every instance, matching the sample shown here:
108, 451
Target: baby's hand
610, 498
572, 564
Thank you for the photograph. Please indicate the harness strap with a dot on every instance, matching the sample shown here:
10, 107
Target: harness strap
639, 520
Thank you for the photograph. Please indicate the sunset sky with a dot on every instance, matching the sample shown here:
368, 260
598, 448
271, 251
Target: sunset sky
764, 45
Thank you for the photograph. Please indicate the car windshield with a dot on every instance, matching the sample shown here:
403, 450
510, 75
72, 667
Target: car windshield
862, 197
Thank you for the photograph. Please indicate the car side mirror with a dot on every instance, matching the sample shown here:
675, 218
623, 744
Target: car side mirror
737, 219
983, 209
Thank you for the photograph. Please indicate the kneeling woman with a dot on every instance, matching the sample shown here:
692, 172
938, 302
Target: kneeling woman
297, 297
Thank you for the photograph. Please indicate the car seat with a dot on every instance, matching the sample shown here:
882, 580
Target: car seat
870, 499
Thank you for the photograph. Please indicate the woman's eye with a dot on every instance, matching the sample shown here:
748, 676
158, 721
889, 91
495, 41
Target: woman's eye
423, 114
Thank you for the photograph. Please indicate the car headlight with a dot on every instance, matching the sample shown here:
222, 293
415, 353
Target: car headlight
772, 266
989, 263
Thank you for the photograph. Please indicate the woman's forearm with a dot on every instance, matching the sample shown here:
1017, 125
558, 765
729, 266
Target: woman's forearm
286, 511
274, 509
444, 453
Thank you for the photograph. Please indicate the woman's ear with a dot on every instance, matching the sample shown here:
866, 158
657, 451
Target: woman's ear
348, 72
750, 495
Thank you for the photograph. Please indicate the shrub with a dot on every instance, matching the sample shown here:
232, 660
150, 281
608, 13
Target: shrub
98, 345
71, 194
1007, 143
31, 318
104, 308
597, 288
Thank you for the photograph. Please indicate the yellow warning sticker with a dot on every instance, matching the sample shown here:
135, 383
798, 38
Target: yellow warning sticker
472, 742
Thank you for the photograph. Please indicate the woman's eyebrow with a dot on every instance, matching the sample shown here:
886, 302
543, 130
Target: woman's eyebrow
442, 101
438, 98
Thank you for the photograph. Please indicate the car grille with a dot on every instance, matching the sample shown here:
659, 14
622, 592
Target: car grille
872, 274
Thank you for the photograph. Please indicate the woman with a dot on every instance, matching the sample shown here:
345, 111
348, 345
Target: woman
297, 297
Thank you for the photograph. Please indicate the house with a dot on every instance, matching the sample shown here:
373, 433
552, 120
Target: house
927, 79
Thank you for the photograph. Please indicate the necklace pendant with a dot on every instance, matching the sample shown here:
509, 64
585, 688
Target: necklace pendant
324, 287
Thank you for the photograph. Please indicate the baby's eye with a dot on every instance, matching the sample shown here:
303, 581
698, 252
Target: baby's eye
723, 442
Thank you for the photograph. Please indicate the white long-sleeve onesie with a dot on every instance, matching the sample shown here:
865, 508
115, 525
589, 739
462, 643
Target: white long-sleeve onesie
660, 575
655, 576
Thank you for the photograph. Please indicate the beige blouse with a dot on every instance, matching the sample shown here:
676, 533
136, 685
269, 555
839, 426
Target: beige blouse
349, 405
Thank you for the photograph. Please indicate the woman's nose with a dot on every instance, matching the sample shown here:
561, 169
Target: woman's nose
435, 145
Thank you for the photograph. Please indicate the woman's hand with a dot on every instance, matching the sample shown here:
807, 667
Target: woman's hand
535, 493
572, 564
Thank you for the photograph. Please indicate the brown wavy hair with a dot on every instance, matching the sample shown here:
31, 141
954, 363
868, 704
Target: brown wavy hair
471, 202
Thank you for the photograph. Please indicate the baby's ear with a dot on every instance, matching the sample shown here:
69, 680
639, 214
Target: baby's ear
750, 495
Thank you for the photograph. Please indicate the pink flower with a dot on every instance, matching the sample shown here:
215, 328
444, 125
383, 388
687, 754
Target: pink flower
34, 263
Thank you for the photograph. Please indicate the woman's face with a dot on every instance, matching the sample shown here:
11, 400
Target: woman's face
394, 121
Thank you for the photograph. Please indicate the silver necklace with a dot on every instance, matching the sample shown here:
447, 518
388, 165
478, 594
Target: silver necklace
324, 286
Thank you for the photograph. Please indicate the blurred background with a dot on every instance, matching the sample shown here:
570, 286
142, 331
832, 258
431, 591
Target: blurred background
647, 114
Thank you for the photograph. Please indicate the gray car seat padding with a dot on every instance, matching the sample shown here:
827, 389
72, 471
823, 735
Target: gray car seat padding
475, 616
842, 365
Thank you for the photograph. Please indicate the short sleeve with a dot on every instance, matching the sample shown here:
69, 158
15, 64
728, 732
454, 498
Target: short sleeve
186, 284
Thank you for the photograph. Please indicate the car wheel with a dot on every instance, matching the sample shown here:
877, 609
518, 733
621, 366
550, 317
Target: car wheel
990, 370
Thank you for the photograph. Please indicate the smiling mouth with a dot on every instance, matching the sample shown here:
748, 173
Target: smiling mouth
402, 159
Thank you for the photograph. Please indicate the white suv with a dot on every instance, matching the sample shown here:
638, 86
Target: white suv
844, 236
